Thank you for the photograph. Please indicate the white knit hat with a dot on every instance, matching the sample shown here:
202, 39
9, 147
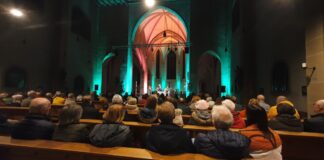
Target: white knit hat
117, 99
229, 104
201, 105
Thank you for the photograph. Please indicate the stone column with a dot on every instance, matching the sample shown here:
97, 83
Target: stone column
314, 50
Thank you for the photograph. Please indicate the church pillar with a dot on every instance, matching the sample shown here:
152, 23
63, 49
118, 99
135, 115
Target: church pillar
163, 67
315, 50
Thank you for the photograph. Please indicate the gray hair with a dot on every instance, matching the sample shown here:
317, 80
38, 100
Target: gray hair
117, 99
40, 106
70, 114
222, 117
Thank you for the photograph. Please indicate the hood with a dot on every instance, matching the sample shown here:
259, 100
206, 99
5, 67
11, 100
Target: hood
201, 118
289, 120
203, 114
230, 144
109, 135
147, 113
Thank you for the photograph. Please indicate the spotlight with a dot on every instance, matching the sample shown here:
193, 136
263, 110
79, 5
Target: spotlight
16, 12
150, 3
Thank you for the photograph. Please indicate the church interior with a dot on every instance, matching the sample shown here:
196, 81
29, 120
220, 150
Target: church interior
190, 53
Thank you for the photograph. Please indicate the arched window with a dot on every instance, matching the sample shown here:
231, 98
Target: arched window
158, 64
280, 78
171, 65
15, 78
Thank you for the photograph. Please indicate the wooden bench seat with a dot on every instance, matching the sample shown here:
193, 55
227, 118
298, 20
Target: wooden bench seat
296, 145
14, 149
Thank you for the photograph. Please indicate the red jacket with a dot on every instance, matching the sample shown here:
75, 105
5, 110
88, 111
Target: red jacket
238, 123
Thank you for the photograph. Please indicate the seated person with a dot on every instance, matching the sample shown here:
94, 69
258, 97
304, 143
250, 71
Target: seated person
36, 124
285, 120
263, 139
223, 143
112, 132
131, 104
69, 128
26, 102
16, 100
262, 103
201, 115
58, 98
316, 123
281, 99
238, 121
117, 99
168, 138
89, 111
148, 114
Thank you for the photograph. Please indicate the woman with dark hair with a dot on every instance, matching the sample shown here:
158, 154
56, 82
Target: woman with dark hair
148, 114
264, 141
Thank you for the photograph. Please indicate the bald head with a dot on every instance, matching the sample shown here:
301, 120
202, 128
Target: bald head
260, 98
40, 106
319, 106
280, 99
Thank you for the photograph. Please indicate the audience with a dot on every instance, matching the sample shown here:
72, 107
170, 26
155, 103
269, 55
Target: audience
316, 123
26, 102
168, 138
281, 99
148, 114
201, 115
223, 143
89, 111
285, 120
36, 124
238, 121
69, 128
262, 103
112, 132
2, 96
264, 141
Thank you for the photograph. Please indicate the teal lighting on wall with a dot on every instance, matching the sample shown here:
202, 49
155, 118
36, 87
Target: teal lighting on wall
187, 74
97, 73
127, 84
225, 60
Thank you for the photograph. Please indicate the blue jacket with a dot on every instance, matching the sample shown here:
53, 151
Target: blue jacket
223, 144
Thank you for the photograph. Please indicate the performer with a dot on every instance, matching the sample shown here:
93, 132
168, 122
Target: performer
149, 90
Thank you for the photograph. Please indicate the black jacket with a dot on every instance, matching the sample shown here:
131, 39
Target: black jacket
147, 115
71, 133
168, 139
315, 124
89, 112
223, 144
286, 122
111, 135
34, 126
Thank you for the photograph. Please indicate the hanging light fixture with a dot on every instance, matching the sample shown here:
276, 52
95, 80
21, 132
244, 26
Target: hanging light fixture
150, 3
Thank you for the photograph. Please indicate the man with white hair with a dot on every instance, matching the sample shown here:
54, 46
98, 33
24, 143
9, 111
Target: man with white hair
316, 123
16, 100
31, 95
222, 143
36, 124
262, 103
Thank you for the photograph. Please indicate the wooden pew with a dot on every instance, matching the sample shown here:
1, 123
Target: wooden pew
296, 145
16, 113
13, 149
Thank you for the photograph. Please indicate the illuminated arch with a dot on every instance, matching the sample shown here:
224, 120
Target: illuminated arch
153, 17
